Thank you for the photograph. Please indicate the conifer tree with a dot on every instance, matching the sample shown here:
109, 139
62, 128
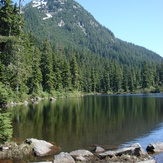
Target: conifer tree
130, 81
6, 17
106, 79
117, 78
124, 79
3, 95
74, 72
66, 75
2, 70
57, 70
10, 19
6, 129
93, 80
36, 71
46, 67
145, 75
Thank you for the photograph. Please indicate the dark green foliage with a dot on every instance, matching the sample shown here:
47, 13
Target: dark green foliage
5, 127
66, 75
57, 69
47, 67
3, 95
125, 79
10, 19
93, 80
74, 72
106, 79
145, 75
130, 81
36, 71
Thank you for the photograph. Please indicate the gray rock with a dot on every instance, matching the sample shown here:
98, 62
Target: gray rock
39, 98
148, 161
134, 149
63, 157
81, 155
41, 147
99, 149
52, 98
42, 162
35, 102
5, 148
25, 102
155, 147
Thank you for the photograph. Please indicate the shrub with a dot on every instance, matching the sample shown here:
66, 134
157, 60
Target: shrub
5, 127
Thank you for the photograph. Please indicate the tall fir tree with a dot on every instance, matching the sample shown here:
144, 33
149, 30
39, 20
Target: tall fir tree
47, 67
36, 72
74, 72
57, 70
66, 76
125, 79
93, 80
130, 81
145, 75
106, 79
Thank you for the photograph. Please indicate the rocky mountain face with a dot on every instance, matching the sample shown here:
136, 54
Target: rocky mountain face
67, 23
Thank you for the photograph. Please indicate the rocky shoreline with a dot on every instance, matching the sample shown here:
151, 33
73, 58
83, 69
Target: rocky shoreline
39, 148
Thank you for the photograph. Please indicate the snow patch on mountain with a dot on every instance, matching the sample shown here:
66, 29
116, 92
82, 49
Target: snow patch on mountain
48, 16
61, 23
38, 4
62, 2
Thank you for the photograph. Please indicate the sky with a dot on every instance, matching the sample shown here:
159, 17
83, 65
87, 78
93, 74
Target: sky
137, 21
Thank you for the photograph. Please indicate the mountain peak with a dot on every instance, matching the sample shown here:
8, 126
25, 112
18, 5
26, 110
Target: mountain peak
67, 23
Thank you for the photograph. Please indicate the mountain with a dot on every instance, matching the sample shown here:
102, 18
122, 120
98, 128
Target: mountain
67, 23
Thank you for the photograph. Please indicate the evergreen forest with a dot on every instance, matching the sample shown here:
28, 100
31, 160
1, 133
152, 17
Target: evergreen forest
32, 66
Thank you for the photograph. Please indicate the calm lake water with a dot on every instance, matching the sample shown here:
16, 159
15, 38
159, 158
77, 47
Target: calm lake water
109, 121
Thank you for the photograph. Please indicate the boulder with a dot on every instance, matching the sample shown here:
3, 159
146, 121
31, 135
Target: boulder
99, 149
63, 157
135, 150
39, 98
35, 102
148, 161
155, 147
81, 155
52, 98
25, 103
40, 147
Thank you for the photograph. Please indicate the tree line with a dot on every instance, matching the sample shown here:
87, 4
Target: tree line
29, 68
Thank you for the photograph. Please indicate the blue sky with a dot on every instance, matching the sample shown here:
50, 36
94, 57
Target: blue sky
137, 21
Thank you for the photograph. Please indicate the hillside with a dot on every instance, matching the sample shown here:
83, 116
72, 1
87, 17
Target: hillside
67, 23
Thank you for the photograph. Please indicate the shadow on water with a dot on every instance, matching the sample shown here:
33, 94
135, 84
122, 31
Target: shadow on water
75, 123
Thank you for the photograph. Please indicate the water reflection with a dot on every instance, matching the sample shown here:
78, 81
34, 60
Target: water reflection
75, 123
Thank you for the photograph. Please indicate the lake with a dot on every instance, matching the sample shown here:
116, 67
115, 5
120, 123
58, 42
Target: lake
110, 121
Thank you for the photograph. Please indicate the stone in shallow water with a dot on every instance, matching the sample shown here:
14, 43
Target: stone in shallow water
99, 149
135, 150
41, 147
81, 155
155, 147
42, 162
63, 157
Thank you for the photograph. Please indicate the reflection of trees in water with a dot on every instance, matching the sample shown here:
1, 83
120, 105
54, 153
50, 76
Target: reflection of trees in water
80, 122
5, 126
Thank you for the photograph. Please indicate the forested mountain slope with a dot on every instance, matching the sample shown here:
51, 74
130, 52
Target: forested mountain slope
66, 23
